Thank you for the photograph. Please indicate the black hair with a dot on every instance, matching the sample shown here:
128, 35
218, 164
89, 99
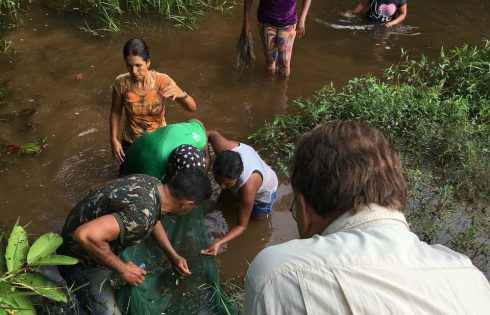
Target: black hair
192, 184
136, 47
228, 164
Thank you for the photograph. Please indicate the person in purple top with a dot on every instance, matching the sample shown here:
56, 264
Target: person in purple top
278, 26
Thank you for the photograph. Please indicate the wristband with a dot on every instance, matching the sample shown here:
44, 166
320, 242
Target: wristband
185, 96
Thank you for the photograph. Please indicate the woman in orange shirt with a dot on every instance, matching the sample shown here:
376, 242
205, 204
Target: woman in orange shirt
142, 93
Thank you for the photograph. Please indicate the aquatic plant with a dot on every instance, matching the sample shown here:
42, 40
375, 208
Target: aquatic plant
9, 7
107, 15
437, 113
19, 270
5, 45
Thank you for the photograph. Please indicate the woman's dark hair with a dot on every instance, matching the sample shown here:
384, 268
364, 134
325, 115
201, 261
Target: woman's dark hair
136, 47
228, 164
343, 166
193, 185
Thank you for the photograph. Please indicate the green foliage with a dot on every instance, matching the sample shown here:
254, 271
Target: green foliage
182, 13
43, 246
5, 45
436, 113
54, 260
40, 285
21, 279
9, 7
30, 148
17, 247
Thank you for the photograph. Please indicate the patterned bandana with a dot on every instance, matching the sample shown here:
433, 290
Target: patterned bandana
187, 157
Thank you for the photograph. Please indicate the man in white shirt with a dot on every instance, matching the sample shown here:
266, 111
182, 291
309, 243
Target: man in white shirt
356, 254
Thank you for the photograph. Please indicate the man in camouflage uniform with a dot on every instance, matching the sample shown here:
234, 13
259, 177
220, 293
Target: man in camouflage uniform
118, 215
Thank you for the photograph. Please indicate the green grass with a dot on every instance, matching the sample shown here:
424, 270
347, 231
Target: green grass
109, 15
5, 45
9, 7
437, 113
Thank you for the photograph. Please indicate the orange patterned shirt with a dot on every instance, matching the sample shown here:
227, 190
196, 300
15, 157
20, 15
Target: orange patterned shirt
144, 112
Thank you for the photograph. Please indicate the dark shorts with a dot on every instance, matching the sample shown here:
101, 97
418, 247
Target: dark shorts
263, 208
125, 146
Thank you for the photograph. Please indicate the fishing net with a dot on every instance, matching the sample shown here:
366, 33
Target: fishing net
164, 291
245, 52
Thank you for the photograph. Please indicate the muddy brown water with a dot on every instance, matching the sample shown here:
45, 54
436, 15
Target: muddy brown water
72, 114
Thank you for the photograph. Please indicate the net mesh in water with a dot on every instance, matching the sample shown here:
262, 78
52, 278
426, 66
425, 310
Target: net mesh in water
164, 291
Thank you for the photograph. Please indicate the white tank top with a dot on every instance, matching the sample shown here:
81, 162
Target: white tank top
253, 163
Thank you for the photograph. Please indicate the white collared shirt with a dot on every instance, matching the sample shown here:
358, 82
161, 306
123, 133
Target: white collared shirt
364, 263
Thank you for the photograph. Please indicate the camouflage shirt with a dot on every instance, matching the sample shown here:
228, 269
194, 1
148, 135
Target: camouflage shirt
133, 200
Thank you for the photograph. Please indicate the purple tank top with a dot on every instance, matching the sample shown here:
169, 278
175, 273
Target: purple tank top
278, 13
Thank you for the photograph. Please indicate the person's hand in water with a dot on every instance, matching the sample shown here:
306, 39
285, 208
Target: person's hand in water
117, 151
180, 265
133, 274
348, 14
173, 91
388, 24
211, 250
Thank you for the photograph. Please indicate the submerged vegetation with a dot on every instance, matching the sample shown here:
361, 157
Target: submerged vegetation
437, 114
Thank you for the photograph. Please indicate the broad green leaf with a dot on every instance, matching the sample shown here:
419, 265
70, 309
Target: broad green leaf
17, 304
17, 247
2, 255
45, 245
5, 289
42, 286
54, 260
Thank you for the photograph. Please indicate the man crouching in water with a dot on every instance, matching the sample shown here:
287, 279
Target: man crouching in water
118, 215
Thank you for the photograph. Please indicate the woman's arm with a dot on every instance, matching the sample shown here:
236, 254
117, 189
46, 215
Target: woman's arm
399, 18
361, 7
300, 27
219, 142
115, 121
172, 90
246, 201
246, 15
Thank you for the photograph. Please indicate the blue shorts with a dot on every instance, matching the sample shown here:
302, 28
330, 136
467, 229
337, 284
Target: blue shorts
263, 208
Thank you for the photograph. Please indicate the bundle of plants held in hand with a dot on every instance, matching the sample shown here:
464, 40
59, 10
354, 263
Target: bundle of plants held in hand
245, 51
19, 271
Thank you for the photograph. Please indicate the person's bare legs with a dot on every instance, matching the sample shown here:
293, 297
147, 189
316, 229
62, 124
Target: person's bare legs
284, 46
268, 35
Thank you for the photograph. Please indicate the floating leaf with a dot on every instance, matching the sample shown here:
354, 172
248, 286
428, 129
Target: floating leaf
11, 148
54, 260
30, 148
42, 286
27, 112
45, 245
17, 247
